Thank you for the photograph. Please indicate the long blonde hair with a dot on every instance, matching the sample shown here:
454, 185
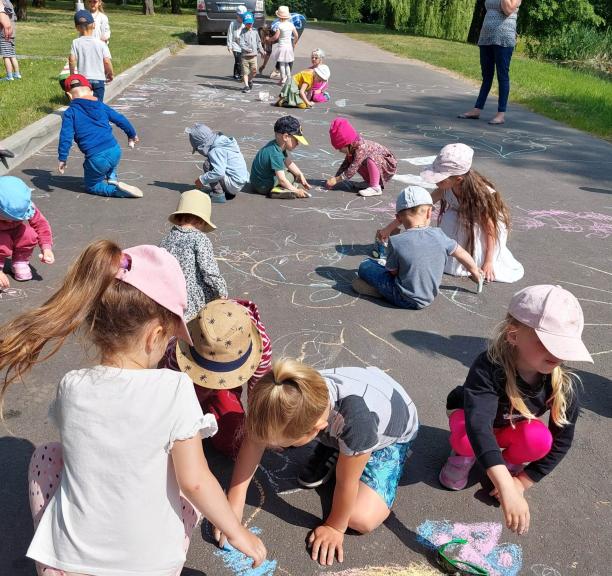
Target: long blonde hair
112, 312
287, 402
502, 353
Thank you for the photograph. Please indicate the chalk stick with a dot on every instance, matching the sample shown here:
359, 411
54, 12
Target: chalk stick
480, 284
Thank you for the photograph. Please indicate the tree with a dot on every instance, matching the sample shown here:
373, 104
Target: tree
38, 3
148, 9
477, 20
176, 6
22, 10
541, 18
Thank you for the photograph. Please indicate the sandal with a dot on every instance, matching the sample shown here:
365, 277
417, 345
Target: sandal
496, 122
468, 117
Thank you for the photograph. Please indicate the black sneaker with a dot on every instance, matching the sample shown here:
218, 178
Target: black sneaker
246, 89
320, 468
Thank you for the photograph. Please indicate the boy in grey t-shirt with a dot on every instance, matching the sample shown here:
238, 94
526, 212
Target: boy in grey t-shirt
416, 258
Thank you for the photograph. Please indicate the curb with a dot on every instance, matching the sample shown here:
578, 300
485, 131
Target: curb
32, 138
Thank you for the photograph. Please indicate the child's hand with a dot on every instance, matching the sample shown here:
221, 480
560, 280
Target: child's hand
4, 281
331, 182
61, 167
198, 184
249, 545
476, 275
133, 141
299, 193
381, 236
47, 256
515, 508
109, 77
326, 543
487, 269
302, 180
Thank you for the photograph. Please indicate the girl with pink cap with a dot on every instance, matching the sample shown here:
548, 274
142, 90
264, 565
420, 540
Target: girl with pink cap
372, 161
109, 498
494, 416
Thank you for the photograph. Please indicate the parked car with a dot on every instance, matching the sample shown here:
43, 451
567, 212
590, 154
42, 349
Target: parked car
214, 16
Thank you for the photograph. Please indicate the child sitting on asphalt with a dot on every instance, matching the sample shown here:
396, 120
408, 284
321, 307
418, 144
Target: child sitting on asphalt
224, 168
273, 171
250, 45
218, 370
22, 226
90, 55
372, 161
416, 258
87, 122
362, 413
188, 243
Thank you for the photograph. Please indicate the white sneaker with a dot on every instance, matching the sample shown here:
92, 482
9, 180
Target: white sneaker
358, 185
128, 191
371, 191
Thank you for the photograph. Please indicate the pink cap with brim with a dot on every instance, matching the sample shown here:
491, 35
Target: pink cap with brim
156, 273
556, 316
453, 160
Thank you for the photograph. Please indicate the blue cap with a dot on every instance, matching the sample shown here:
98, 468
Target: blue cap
412, 196
248, 18
83, 17
15, 199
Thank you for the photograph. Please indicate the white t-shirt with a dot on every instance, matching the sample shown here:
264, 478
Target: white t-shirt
102, 27
286, 28
117, 510
90, 53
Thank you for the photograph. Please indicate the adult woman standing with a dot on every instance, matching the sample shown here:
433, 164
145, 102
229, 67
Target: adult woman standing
497, 41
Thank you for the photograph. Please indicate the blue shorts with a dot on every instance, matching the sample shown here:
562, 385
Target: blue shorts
384, 470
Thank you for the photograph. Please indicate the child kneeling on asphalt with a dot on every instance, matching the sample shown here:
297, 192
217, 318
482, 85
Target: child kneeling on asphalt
416, 258
273, 171
224, 168
87, 121
22, 226
365, 422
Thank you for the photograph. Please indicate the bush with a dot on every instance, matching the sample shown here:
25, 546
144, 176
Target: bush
544, 18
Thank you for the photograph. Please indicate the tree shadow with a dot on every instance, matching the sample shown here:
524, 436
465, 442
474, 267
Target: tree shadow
47, 181
595, 190
16, 525
176, 186
187, 37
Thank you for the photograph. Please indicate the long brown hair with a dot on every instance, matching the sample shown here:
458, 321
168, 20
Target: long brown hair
287, 402
112, 312
502, 353
478, 205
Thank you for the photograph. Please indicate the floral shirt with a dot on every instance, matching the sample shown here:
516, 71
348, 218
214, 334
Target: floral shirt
382, 157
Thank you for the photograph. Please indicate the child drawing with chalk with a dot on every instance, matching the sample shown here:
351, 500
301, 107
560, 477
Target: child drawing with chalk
230, 348
22, 227
494, 416
472, 212
372, 161
364, 421
224, 170
273, 172
188, 243
412, 273
130, 465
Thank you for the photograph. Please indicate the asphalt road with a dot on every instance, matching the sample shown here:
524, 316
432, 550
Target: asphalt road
296, 259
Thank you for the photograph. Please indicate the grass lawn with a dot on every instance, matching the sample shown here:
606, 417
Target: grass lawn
44, 42
579, 99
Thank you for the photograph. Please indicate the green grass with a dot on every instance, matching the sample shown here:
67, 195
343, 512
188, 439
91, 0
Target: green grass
44, 41
580, 99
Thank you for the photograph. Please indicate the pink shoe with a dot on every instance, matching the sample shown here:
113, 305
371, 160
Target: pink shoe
22, 271
454, 474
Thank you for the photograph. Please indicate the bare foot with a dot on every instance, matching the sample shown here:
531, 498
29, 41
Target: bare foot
499, 118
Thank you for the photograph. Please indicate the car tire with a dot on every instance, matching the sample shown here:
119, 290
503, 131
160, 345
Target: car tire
204, 39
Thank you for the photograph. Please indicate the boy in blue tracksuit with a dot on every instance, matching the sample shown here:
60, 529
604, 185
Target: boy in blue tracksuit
224, 168
87, 122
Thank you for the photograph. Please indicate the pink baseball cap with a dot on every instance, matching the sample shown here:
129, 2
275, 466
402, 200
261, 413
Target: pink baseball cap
156, 273
453, 160
556, 316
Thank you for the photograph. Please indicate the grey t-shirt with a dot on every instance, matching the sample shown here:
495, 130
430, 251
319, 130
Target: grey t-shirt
419, 256
497, 28
369, 411
90, 53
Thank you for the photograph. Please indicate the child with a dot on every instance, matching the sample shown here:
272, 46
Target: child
219, 371
233, 37
7, 44
303, 87
273, 171
250, 46
265, 35
91, 55
102, 28
225, 170
123, 491
287, 37
372, 161
87, 121
518, 380
319, 89
188, 243
22, 226
416, 258
361, 412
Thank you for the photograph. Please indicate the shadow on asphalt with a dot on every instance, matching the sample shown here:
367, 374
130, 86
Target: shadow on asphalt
596, 190
48, 181
176, 186
594, 393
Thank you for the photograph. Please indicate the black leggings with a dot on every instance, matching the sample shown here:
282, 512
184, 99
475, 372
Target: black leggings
237, 64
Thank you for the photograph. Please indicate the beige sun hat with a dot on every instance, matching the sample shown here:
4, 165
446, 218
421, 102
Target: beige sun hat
197, 203
283, 12
227, 346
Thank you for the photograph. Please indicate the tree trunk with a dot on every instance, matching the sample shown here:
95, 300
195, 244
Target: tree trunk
477, 20
22, 10
148, 8
38, 3
176, 6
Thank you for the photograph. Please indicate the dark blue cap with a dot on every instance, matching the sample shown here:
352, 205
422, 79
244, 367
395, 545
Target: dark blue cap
83, 17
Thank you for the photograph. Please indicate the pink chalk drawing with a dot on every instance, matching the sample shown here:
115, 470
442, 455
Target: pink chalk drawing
591, 224
482, 548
